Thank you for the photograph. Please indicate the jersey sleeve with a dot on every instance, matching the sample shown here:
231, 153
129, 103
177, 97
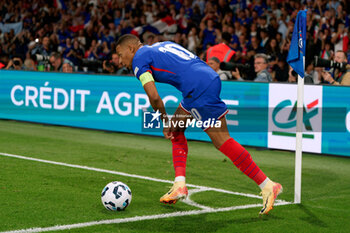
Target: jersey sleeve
142, 62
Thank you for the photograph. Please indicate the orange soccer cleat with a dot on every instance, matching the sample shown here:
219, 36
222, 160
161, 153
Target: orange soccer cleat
269, 194
177, 192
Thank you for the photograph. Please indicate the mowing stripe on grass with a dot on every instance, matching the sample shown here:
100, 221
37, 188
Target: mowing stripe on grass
204, 210
138, 218
131, 175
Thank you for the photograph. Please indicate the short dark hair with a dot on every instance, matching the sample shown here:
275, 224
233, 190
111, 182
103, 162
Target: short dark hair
127, 37
56, 55
214, 59
226, 36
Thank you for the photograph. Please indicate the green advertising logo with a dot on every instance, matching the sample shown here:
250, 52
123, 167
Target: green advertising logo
291, 120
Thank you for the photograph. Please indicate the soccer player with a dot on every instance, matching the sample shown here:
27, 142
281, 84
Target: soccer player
167, 62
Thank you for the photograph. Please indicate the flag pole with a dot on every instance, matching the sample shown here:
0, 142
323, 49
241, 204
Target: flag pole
299, 141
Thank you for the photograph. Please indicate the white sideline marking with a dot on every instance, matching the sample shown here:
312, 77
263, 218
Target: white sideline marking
137, 218
128, 175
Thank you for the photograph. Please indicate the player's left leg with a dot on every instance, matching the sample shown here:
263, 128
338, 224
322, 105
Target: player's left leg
244, 162
179, 151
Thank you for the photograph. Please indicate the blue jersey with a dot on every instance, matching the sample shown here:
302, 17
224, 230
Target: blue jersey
170, 63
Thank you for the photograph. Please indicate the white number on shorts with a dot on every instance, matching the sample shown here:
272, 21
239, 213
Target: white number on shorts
196, 114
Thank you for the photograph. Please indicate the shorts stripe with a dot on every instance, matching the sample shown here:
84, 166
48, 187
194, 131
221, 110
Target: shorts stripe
206, 128
222, 115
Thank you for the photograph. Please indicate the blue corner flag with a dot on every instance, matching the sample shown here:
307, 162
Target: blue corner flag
298, 44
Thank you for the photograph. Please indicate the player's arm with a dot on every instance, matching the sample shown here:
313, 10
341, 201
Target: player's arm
152, 93
154, 98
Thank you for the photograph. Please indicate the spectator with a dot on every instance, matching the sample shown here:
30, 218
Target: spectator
15, 64
103, 51
311, 76
81, 38
273, 51
66, 49
274, 9
91, 53
76, 54
340, 77
273, 26
67, 67
340, 38
262, 25
94, 22
253, 49
280, 70
241, 51
193, 40
282, 28
113, 66
57, 62
253, 30
29, 63
260, 67
43, 48
333, 4
208, 33
214, 63
221, 51
264, 38
326, 47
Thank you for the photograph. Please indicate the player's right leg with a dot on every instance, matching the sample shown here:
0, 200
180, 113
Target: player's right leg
180, 151
244, 162
210, 106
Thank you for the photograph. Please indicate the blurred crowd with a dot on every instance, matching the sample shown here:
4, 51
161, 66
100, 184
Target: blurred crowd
80, 35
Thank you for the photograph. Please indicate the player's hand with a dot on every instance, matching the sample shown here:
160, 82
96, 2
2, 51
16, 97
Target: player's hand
168, 134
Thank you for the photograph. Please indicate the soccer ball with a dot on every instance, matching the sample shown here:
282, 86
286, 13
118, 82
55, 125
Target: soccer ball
116, 196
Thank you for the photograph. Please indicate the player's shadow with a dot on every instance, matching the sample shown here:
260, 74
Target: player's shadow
311, 218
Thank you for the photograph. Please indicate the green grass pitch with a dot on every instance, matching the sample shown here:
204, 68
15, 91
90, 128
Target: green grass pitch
41, 195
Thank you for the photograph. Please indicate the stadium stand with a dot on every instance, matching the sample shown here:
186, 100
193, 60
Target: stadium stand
84, 32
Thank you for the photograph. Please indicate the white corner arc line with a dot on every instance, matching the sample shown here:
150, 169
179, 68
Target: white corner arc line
137, 218
188, 200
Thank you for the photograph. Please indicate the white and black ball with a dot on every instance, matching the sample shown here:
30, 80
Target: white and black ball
116, 196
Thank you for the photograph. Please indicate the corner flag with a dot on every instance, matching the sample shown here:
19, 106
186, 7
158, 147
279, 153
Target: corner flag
296, 59
298, 44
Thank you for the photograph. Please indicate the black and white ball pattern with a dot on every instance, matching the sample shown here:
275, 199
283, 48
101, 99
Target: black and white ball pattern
116, 196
